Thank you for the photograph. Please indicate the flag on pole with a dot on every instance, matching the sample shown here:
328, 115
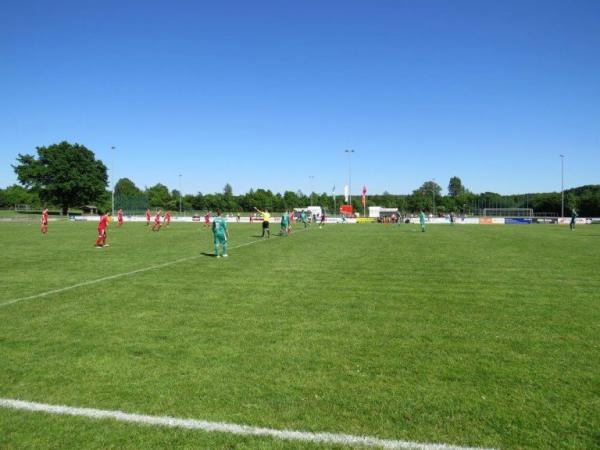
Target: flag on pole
346, 193
333, 196
364, 196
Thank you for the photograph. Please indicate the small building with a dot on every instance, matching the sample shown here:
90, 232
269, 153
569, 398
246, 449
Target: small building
311, 212
378, 212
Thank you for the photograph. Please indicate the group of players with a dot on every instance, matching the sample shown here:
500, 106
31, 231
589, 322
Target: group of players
105, 220
287, 218
219, 226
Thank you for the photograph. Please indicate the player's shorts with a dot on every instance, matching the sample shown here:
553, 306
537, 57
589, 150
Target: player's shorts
44, 222
220, 239
101, 231
265, 224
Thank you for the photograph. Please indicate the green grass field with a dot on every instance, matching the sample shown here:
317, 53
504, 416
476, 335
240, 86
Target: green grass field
465, 335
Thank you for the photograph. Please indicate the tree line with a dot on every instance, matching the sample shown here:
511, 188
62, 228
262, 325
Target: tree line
67, 176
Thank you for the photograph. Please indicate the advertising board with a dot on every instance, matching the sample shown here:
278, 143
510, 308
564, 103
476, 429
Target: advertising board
517, 221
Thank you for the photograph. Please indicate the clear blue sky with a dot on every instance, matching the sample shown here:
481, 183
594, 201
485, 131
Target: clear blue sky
266, 93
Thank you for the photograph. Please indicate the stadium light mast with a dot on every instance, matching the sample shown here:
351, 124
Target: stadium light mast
562, 186
349, 152
433, 195
112, 173
311, 178
180, 193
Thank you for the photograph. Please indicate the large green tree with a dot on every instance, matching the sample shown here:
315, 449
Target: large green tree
63, 174
455, 187
158, 196
430, 188
17, 195
126, 187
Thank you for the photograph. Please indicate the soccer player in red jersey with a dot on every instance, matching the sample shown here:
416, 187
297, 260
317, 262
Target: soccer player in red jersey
156, 226
168, 218
207, 220
101, 241
44, 227
148, 217
120, 217
290, 220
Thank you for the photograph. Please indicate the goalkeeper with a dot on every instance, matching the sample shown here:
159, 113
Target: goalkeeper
221, 235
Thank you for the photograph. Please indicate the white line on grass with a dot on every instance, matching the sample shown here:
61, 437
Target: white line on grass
119, 275
222, 427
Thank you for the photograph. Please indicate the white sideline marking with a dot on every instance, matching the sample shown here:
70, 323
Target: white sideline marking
99, 280
223, 427
120, 275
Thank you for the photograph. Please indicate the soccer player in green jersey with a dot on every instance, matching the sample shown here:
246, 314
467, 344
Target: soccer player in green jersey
422, 221
221, 234
285, 224
303, 218
573, 219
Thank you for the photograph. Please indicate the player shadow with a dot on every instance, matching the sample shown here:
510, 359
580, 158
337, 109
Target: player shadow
211, 255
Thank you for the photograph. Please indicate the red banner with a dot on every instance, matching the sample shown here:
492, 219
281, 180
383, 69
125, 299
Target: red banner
346, 210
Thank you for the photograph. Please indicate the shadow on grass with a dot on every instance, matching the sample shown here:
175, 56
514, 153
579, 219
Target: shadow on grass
211, 255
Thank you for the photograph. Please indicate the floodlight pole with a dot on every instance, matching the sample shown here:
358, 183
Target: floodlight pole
349, 152
112, 173
433, 195
562, 186
180, 193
